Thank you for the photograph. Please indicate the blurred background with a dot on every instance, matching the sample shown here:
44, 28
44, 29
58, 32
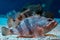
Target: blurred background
6, 6
48, 5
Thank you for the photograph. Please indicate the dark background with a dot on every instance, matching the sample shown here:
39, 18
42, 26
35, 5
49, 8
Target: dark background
49, 5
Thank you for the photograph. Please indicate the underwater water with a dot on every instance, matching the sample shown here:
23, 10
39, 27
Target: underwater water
3, 23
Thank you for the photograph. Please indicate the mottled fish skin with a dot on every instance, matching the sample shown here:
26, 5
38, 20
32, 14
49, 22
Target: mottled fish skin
50, 26
46, 29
